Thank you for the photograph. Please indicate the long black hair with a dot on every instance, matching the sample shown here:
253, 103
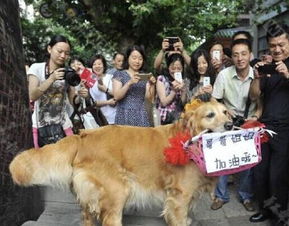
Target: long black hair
193, 74
53, 41
171, 59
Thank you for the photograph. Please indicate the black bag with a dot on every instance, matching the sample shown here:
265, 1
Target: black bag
76, 118
50, 134
96, 113
170, 117
175, 114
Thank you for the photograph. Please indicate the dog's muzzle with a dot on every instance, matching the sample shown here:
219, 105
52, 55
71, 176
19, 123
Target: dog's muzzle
228, 125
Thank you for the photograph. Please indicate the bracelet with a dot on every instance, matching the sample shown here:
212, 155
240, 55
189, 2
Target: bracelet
254, 116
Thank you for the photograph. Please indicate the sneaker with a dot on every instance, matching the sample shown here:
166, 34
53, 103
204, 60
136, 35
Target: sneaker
248, 205
217, 204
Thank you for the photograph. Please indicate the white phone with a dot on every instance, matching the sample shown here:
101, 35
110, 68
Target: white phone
178, 76
216, 54
206, 81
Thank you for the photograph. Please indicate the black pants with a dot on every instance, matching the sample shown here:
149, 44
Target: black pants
271, 175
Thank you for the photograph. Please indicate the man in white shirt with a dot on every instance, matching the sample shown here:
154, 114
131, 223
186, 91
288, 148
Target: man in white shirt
232, 87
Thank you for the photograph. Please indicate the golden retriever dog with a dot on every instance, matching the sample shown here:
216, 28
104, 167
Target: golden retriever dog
114, 167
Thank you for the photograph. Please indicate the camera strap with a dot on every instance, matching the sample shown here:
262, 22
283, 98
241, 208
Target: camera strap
47, 73
248, 103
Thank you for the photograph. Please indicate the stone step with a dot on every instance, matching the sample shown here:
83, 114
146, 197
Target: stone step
61, 209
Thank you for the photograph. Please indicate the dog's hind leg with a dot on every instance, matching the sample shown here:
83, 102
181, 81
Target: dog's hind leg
88, 219
176, 208
112, 204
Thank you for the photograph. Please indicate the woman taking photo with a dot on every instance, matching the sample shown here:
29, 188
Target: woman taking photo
101, 92
202, 74
171, 91
49, 89
130, 91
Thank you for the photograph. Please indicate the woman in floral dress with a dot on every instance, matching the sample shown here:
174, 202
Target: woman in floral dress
130, 91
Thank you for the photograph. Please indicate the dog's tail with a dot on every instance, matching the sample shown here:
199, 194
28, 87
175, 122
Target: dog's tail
50, 165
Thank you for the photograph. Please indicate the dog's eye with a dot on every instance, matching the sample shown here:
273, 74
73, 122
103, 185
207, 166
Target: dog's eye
210, 115
225, 112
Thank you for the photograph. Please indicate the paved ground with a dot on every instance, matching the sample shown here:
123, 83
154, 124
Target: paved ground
62, 210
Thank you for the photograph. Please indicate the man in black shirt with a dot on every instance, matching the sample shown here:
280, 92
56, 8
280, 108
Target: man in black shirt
271, 175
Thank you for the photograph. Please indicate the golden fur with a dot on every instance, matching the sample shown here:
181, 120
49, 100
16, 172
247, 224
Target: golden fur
117, 166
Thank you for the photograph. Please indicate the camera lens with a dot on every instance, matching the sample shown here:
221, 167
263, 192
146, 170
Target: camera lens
71, 76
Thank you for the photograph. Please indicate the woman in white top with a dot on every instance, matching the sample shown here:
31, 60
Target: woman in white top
49, 90
101, 92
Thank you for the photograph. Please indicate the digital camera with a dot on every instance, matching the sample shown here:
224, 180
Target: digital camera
267, 69
71, 76
172, 41
238, 120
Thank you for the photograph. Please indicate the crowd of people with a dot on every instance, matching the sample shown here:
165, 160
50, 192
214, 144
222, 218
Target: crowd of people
231, 75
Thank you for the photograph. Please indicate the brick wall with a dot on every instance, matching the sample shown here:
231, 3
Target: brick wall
16, 204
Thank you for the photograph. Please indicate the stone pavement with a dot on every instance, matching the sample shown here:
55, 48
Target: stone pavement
61, 209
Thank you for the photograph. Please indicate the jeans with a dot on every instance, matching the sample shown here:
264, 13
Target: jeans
244, 189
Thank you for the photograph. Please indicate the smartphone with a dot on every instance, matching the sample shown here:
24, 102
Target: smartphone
216, 54
267, 69
172, 41
178, 76
145, 76
206, 81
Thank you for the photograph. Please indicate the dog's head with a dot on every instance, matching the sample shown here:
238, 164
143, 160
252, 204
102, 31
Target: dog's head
210, 115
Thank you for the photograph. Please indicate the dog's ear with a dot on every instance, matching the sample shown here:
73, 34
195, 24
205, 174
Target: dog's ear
189, 122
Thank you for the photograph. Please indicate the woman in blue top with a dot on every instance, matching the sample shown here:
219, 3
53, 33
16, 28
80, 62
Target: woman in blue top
130, 92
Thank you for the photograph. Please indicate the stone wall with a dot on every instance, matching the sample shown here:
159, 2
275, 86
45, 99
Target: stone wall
16, 204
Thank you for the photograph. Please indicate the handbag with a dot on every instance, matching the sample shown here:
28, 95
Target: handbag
174, 115
98, 115
50, 134
87, 115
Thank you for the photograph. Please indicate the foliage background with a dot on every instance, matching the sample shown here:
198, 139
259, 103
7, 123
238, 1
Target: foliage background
106, 26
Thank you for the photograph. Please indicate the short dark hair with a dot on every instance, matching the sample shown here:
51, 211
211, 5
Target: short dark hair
246, 33
76, 58
228, 52
275, 30
242, 41
98, 57
117, 53
128, 53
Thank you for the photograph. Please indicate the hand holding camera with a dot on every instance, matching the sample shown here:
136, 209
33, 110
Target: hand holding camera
144, 76
57, 74
68, 74
266, 69
134, 79
282, 68
170, 46
165, 44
